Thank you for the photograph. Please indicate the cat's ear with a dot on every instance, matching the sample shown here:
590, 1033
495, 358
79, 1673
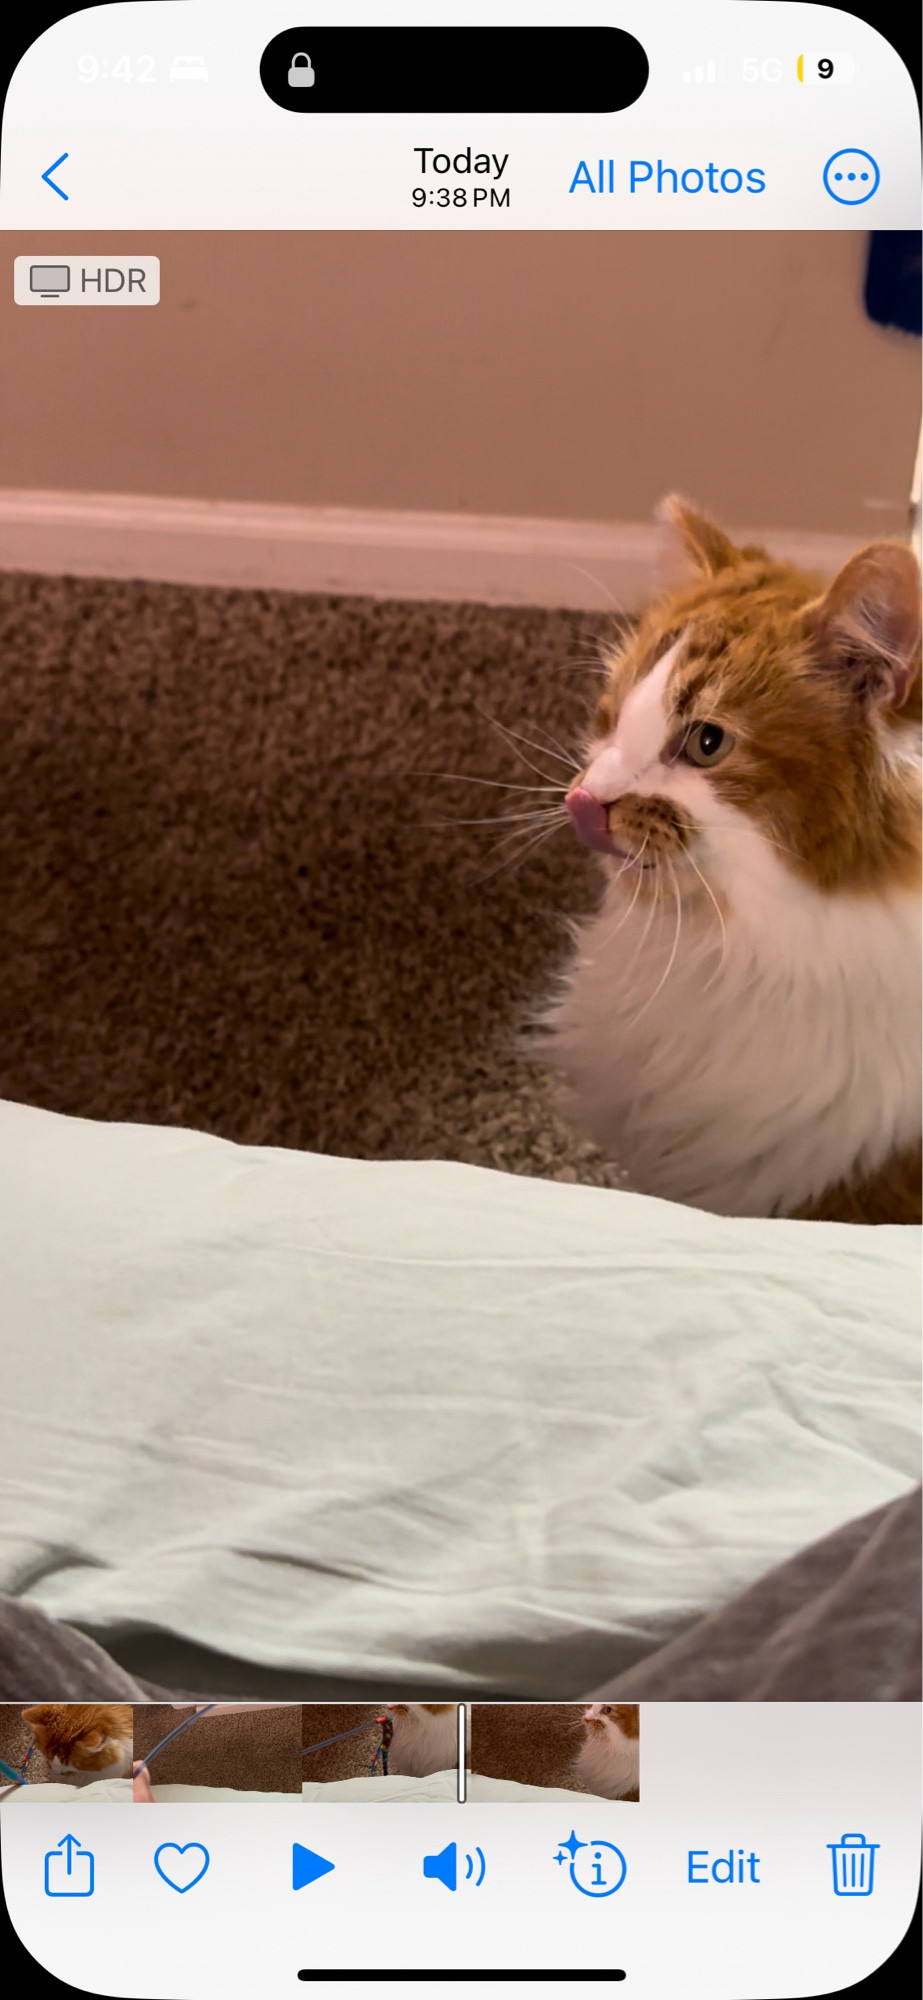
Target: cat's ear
693, 545
866, 628
32, 1715
94, 1739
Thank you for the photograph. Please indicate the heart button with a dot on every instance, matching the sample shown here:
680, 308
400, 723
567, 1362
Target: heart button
181, 1867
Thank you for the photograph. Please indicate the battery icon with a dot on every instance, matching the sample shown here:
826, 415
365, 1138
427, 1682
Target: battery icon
853, 1864
826, 69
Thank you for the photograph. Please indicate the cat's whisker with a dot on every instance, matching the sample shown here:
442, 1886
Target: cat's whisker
566, 756
672, 958
616, 604
628, 862
503, 819
522, 832
719, 914
513, 737
744, 833
610, 935
654, 900
539, 773
496, 784
515, 860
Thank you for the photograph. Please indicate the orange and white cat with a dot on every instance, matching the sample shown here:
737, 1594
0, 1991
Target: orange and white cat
740, 1028
425, 1737
608, 1761
82, 1743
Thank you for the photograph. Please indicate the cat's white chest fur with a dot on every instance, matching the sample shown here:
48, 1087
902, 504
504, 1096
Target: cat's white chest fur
422, 1742
608, 1761
749, 1072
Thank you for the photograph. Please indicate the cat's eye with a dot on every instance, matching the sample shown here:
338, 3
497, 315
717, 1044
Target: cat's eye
707, 744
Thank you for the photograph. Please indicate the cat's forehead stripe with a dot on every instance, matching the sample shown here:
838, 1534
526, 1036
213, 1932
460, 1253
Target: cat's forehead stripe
640, 734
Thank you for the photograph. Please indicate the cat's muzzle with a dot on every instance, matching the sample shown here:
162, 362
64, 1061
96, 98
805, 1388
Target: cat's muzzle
636, 832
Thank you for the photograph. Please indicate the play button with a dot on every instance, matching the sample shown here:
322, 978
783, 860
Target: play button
307, 1866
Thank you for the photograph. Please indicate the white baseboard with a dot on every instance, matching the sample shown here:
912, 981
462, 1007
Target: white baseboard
485, 559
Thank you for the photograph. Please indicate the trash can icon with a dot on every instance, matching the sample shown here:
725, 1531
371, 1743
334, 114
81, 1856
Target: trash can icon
853, 1864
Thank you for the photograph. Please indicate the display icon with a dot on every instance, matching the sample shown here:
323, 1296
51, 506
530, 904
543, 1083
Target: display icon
49, 280
70, 1870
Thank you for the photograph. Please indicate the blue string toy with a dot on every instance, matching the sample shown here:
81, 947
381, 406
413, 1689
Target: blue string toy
18, 1777
185, 1724
379, 1763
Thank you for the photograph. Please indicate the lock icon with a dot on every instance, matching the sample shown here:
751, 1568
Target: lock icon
301, 73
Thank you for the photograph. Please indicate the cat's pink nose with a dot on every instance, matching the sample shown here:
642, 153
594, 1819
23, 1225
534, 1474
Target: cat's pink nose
589, 820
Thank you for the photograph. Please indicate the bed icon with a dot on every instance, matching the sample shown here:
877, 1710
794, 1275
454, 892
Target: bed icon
853, 1864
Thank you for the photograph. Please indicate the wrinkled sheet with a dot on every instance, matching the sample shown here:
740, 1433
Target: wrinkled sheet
393, 1423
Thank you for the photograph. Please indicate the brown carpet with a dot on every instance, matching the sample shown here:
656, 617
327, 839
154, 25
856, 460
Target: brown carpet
225, 903
340, 1760
531, 1743
259, 1751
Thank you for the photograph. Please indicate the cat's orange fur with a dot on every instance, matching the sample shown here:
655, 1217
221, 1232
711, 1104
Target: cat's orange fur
780, 662
91, 1738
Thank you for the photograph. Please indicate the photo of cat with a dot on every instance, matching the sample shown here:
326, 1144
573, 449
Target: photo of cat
608, 1760
424, 1737
70, 1742
474, 921
740, 1024
556, 1745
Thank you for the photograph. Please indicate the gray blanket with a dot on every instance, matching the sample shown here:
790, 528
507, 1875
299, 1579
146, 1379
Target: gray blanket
838, 1622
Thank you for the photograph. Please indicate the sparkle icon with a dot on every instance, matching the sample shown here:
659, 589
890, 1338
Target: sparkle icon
601, 1869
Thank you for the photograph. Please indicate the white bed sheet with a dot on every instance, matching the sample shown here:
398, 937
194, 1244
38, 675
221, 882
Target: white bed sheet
421, 1421
105, 1791
438, 1788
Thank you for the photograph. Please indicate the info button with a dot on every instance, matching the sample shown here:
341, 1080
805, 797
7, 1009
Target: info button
86, 281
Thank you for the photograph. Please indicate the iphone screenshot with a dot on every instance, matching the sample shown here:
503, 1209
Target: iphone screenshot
460, 999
